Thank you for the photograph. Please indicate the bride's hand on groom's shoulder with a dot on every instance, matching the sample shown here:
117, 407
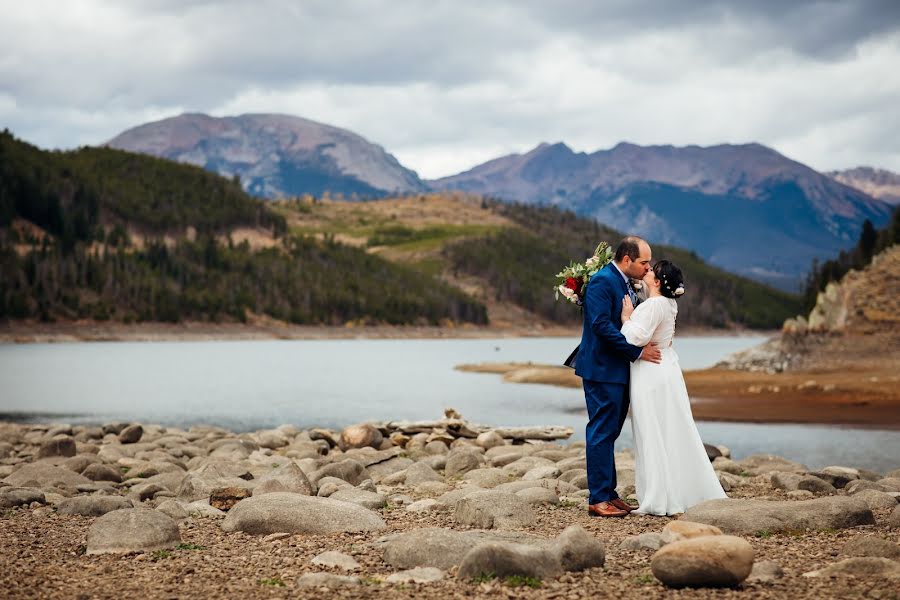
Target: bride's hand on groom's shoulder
627, 308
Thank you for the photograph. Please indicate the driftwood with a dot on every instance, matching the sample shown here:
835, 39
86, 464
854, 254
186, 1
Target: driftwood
460, 428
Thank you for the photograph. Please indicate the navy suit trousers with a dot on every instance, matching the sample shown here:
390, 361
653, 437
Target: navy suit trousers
607, 407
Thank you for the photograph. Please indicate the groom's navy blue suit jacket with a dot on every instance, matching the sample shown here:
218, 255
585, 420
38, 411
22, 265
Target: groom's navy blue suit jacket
604, 355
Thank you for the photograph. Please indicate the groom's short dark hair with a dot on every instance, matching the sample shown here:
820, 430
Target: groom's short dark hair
630, 247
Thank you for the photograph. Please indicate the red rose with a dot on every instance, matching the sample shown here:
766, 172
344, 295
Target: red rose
572, 284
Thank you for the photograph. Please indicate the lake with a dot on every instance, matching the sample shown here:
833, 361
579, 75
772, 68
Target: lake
244, 385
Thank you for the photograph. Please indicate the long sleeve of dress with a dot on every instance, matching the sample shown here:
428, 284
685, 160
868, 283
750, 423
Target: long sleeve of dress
644, 320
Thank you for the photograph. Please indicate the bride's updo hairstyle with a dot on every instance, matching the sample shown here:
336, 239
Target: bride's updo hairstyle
671, 281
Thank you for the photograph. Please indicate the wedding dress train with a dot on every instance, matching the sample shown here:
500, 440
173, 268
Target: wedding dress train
672, 471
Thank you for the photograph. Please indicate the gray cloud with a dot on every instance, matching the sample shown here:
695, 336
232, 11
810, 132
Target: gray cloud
447, 84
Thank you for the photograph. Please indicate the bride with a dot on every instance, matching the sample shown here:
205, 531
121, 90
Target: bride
672, 471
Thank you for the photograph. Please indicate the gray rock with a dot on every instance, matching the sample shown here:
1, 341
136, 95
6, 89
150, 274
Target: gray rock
839, 477
545, 472
749, 516
527, 463
203, 510
461, 462
295, 513
99, 472
893, 519
487, 478
644, 541
131, 434
432, 488
504, 559
815, 485
92, 506
20, 496
577, 550
45, 475
875, 499
59, 445
327, 580
761, 464
890, 482
861, 485
380, 471
197, 486
765, 571
867, 568
490, 439
420, 472
785, 481
132, 530
436, 447
442, 548
79, 462
292, 479
360, 497
173, 509
335, 559
558, 487
425, 505
708, 561
538, 495
417, 575
349, 470
491, 509
871, 546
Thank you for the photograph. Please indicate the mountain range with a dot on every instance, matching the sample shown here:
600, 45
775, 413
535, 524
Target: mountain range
878, 183
745, 208
275, 156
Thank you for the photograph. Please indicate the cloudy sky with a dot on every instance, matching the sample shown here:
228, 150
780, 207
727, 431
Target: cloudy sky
445, 85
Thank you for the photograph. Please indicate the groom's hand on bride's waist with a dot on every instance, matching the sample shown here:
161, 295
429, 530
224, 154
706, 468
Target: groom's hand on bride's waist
651, 353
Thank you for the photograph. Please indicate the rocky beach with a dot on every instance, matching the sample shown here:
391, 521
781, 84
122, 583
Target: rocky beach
443, 508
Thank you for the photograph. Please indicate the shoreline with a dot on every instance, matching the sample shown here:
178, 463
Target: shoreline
810, 397
92, 331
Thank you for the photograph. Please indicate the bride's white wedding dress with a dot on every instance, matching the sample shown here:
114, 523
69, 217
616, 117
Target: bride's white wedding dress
672, 471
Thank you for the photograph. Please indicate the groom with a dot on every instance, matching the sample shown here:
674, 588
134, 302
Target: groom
603, 364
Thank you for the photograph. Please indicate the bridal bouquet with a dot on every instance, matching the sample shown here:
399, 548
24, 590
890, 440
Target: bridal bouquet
574, 278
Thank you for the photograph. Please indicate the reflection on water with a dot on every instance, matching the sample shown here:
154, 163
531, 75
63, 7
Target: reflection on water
253, 384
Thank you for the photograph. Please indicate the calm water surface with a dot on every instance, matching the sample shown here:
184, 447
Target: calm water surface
246, 385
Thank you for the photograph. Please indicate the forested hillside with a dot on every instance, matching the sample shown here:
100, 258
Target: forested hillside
518, 264
104, 234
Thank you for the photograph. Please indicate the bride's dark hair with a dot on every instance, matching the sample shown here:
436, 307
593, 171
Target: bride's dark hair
671, 281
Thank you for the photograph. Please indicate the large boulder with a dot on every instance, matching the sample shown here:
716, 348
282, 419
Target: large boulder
295, 513
871, 546
92, 506
494, 510
749, 516
442, 548
45, 475
707, 561
504, 559
578, 550
132, 530
20, 496
863, 567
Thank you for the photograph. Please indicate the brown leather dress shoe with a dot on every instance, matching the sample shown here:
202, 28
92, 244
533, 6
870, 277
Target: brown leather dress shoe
622, 505
605, 509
